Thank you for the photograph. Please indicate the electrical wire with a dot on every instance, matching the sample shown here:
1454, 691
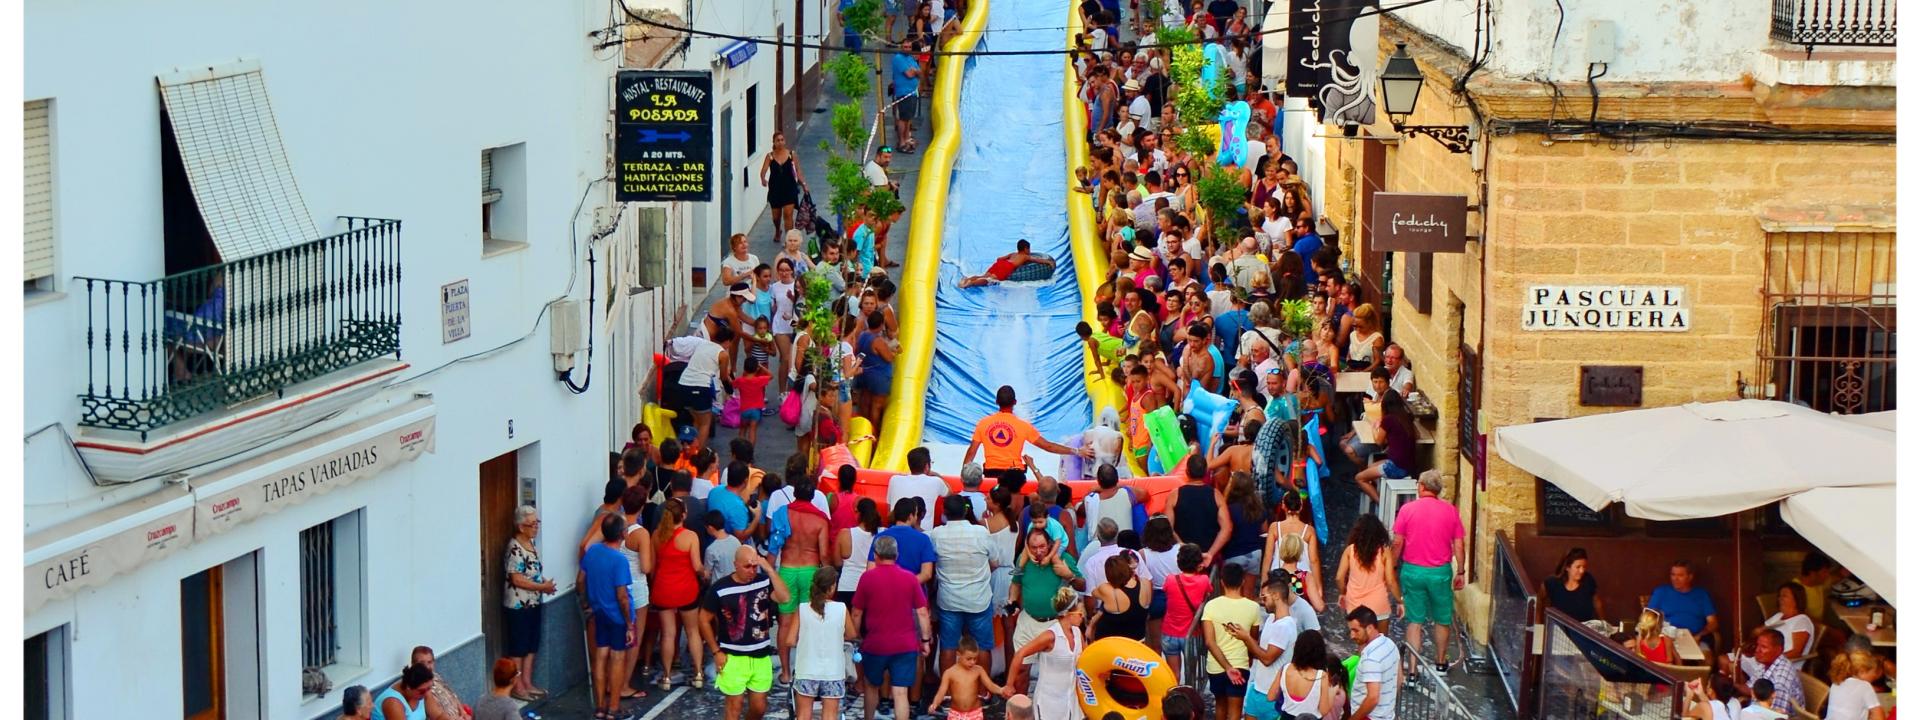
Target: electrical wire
784, 43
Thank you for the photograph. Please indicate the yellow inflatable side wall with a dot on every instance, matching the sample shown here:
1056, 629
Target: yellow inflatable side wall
906, 403
1089, 251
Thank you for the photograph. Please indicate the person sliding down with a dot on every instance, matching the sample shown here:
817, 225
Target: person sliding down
1004, 267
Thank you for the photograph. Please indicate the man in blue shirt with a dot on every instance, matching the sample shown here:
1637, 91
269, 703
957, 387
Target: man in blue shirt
1230, 325
916, 549
603, 580
905, 77
1306, 244
731, 502
1684, 605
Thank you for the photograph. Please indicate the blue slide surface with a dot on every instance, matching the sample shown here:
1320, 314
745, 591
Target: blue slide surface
1008, 184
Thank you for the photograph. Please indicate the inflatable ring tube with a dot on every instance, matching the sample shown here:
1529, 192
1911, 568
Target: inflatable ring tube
860, 440
1106, 656
1163, 425
1034, 270
659, 420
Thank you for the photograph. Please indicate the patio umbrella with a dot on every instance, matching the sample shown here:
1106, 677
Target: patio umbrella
1852, 525
1701, 460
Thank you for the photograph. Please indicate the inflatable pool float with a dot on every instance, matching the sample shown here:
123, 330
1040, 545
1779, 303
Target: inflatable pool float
1129, 661
1033, 270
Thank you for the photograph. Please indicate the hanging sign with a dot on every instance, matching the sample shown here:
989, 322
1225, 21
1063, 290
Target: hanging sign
1606, 308
1334, 57
663, 141
1419, 222
1303, 47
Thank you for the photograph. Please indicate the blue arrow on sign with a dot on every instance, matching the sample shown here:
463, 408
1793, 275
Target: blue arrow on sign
654, 136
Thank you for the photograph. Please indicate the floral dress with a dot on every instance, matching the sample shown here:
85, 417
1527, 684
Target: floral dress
522, 561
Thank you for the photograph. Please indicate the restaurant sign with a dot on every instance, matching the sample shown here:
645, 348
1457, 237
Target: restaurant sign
1418, 222
1606, 308
227, 507
663, 139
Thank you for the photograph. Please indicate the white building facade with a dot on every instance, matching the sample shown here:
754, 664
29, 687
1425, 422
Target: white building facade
288, 377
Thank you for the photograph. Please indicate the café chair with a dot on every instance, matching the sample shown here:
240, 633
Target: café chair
1816, 692
1769, 604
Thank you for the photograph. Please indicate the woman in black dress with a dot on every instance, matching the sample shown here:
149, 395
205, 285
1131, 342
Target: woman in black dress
1572, 589
780, 175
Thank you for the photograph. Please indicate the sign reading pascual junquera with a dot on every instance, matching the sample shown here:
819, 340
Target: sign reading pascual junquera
1606, 308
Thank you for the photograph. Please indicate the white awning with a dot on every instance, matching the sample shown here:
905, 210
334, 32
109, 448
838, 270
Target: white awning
1855, 527
89, 550
1700, 459
231, 147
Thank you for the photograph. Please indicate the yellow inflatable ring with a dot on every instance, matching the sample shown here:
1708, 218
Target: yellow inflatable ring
1104, 657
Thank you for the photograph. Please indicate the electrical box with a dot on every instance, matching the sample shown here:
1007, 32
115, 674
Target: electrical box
569, 332
1600, 41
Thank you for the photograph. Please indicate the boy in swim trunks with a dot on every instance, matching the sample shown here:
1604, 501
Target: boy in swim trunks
1004, 267
963, 683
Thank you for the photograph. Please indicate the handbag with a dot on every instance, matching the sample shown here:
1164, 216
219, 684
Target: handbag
790, 408
730, 412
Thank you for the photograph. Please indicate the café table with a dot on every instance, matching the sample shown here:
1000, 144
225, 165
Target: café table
1363, 429
1856, 619
1687, 649
1352, 382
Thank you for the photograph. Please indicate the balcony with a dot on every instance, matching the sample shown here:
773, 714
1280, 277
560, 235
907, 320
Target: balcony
1834, 23
163, 351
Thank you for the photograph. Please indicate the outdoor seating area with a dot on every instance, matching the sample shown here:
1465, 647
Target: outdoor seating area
1691, 563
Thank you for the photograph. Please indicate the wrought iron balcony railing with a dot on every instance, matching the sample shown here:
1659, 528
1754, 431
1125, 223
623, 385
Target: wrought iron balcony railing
1819, 23
166, 350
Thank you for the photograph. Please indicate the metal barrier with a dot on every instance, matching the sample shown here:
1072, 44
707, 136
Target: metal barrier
1426, 693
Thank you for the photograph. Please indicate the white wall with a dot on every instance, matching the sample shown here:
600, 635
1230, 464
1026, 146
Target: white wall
1655, 40
383, 108
744, 18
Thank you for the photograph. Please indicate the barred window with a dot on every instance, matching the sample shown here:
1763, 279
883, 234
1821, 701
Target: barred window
332, 571
1827, 334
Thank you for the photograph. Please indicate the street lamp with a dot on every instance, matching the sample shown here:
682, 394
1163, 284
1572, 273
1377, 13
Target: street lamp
1400, 84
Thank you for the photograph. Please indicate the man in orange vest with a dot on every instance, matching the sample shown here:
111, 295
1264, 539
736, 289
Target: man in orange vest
1005, 437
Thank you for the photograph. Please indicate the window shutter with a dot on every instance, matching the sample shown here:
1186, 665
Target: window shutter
38, 208
488, 193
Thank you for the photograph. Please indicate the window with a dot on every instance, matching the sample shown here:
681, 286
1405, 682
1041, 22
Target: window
38, 207
332, 620
503, 198
46, 666
753, 120
1827, 336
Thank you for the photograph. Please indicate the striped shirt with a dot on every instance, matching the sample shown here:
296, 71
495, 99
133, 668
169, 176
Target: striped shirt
1379, 663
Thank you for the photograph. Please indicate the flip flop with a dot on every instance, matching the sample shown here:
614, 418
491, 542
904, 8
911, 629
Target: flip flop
633, 695
522, 697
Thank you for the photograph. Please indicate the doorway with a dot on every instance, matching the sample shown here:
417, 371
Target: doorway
1371, 263
499, 498
726, 178
220, 641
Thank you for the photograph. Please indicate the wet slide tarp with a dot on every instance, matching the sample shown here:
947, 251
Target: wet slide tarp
1009, 183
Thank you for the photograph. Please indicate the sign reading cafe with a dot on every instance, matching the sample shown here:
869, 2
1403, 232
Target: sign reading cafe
1606, 308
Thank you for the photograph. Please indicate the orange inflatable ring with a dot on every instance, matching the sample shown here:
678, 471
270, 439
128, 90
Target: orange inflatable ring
1105, 657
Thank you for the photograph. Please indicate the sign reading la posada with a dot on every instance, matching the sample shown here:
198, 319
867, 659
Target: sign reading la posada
663, 139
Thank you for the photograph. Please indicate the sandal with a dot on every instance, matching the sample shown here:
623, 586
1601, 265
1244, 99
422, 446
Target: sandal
522, 697
631, 694
538, 693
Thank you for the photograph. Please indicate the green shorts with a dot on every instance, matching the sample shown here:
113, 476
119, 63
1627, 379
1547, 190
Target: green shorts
745, 674
1427, 593
799, 582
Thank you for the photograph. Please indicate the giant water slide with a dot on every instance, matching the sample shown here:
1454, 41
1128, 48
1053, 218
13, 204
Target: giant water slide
1007, 131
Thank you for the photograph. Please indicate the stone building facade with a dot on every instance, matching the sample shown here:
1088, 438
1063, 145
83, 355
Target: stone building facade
1766, 199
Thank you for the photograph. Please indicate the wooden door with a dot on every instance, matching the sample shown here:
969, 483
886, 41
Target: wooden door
499, 499
203, 668
1370, 263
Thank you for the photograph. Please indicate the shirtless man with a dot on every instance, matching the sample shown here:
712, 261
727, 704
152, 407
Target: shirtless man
1224, 459
1164, 381
728, 315
1197, 363
1004, 267
799, 560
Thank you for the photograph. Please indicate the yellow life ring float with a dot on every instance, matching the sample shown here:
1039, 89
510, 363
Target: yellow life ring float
1107, 656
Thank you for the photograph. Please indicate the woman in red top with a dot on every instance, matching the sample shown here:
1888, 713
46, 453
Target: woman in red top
1650, 640
676, 590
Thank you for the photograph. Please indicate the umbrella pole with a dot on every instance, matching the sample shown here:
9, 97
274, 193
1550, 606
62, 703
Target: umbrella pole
1739, 579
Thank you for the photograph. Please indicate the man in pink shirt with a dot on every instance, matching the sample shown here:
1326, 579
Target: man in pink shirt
1428, 538
890, 612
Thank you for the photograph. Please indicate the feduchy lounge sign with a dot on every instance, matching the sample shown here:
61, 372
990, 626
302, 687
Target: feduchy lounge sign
295, 482
1419, 222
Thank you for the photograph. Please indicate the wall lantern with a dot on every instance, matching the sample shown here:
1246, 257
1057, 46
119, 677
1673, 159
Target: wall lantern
1400, 83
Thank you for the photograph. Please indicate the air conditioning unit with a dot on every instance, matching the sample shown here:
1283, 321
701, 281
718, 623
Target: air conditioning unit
569, 332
